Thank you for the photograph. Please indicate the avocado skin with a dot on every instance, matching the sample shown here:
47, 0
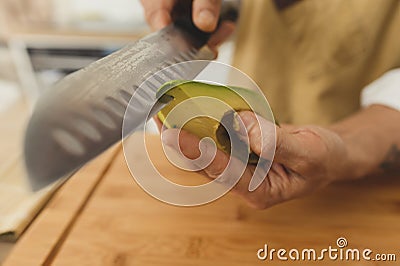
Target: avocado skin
239, 99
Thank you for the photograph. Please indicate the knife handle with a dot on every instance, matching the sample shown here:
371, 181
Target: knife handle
183, 19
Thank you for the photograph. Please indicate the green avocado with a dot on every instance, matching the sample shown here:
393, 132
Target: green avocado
206, 110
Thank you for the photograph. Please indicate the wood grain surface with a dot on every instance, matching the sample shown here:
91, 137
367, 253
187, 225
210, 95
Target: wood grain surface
41, 241
122, 225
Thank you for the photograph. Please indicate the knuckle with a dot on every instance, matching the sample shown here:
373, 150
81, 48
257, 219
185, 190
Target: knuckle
214, 171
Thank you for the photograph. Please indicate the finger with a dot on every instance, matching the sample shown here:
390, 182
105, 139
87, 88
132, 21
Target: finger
158, 122
290, 150
261, 134
222, 34
206, 13
159, 19
158, 13
189, 145
221, 167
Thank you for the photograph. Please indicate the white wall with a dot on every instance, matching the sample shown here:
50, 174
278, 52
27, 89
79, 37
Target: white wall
122, 15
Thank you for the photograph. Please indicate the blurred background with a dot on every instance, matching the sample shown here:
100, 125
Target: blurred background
41, 41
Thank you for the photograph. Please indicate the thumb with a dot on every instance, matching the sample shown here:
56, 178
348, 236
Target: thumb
265, 139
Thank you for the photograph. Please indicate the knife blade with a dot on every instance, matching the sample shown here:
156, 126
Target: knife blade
82, 115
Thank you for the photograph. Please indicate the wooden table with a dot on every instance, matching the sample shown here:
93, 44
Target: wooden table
102, 217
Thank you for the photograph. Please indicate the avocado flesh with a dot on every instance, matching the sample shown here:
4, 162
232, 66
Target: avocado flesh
175, 92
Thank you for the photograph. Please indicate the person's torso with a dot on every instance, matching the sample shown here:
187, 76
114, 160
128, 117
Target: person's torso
313, 58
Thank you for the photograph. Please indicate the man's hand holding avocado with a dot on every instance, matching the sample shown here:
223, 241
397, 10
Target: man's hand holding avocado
364, 143
306, 158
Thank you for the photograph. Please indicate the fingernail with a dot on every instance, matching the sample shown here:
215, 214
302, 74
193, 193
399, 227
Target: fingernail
239, 127
206, 18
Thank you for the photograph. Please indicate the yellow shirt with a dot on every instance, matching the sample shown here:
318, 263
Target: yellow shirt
313, 58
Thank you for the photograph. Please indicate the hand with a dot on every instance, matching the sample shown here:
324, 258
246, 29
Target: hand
205, 13
306, 158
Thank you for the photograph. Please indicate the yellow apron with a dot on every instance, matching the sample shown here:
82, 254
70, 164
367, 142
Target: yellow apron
313, 58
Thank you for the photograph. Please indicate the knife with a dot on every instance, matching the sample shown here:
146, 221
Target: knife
82, 115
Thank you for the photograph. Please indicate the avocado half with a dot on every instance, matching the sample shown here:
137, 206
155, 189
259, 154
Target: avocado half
216, 101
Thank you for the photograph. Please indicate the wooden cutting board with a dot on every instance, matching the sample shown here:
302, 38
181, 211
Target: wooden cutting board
119, 224
18, 204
